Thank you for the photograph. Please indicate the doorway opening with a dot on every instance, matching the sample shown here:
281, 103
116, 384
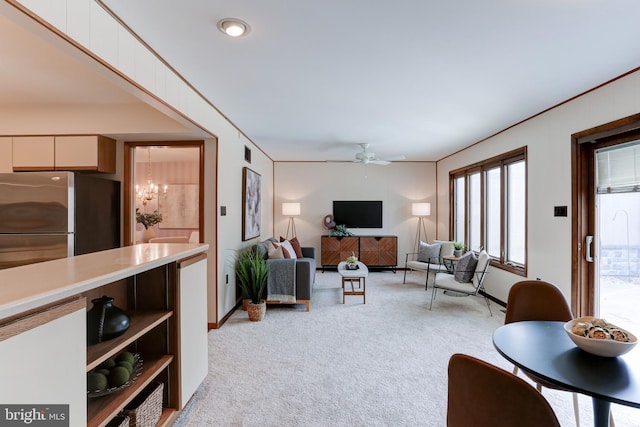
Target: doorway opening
606, 209
164, 191
617, 284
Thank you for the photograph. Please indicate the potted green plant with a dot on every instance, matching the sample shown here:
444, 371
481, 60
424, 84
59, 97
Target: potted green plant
339, 231
252, 273
148, 220
457, 249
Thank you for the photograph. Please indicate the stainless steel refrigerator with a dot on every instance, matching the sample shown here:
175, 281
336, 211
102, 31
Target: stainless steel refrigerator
50, 215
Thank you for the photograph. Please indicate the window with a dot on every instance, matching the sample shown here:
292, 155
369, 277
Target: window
488, 207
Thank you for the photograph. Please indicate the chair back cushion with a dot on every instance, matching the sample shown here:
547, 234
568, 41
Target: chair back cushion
446, 248
483, 395
465, 268
481, 268
429, 253
536, 300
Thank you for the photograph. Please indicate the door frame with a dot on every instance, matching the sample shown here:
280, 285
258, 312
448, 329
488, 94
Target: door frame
583, 147
129, 168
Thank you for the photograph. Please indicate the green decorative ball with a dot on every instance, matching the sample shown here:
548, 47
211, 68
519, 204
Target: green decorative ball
125, 356
96, 381
108, 364
118, 376
126, 365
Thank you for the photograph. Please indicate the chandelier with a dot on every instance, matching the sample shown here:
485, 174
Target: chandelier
148, 193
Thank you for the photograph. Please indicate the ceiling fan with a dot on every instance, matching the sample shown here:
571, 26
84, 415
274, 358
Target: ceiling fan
369, 157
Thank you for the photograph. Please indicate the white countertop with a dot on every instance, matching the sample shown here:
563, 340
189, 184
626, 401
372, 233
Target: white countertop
31, 286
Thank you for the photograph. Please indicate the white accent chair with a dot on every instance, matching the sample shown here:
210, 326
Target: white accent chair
447, 281
434, 265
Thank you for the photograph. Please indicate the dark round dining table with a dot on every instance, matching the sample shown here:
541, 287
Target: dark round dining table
543, 349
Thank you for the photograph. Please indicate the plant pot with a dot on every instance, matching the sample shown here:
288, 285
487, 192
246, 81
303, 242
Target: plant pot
457, 253
146, 234
245, 303
256, 311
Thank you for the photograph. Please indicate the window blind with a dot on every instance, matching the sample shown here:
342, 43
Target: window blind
618, 169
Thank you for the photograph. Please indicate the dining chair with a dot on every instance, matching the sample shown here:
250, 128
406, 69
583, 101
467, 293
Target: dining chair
483, 395
540, 300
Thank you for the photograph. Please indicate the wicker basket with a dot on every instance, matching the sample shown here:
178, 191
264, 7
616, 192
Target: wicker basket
146, 412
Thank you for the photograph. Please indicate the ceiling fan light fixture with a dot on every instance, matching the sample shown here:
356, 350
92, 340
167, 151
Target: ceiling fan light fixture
233, 27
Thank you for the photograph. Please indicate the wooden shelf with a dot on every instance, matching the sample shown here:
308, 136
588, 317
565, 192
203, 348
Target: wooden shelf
168, 417
102, 409
141, 323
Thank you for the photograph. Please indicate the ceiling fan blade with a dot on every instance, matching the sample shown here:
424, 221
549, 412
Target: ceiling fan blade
394, 158
379, 162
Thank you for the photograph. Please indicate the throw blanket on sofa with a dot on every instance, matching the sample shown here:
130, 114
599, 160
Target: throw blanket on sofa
281, 283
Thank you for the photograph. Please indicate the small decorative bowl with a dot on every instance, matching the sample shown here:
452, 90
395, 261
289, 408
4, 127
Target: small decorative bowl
600, 347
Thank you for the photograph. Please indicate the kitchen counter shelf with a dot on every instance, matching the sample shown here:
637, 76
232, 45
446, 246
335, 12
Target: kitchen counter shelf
141, 323
101, 410
163, 289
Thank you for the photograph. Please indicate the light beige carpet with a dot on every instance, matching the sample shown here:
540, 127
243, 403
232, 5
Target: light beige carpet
379, 364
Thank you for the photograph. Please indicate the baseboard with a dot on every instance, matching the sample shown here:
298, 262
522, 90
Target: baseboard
225, 318
494, 299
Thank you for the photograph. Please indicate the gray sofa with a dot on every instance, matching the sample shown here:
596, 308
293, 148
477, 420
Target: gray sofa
305, 272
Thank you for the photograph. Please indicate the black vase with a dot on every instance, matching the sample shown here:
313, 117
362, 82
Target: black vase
105, 321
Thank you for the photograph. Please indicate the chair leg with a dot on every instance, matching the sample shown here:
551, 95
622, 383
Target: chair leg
405, 275
515, 370
433, 295
488, 305
576, 410
426, 282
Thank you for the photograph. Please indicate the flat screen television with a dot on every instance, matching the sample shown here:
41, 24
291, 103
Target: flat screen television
358, 213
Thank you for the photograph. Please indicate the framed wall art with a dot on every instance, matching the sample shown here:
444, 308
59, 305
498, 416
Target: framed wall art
251, 201
179, 208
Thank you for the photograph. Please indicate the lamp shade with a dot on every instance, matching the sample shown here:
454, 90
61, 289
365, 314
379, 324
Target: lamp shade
420, 209
291, 209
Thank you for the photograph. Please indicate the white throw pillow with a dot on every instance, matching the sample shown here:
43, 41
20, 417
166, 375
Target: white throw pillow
287, 246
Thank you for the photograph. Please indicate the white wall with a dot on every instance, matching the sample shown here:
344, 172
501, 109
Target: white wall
548, 141
317, 184
231, 155
93, 28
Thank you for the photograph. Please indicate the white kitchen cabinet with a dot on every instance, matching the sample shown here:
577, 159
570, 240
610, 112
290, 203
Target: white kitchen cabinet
85, 152
68, 153
6, 154
43, 358
192, 319
33, 153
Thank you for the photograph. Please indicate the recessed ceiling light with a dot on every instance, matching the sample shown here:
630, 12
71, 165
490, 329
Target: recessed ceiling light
233, 27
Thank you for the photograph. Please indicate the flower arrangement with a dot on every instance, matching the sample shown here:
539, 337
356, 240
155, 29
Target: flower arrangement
352, 259
148, 220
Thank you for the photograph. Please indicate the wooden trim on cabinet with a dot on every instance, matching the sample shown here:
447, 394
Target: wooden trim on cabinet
18, 325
